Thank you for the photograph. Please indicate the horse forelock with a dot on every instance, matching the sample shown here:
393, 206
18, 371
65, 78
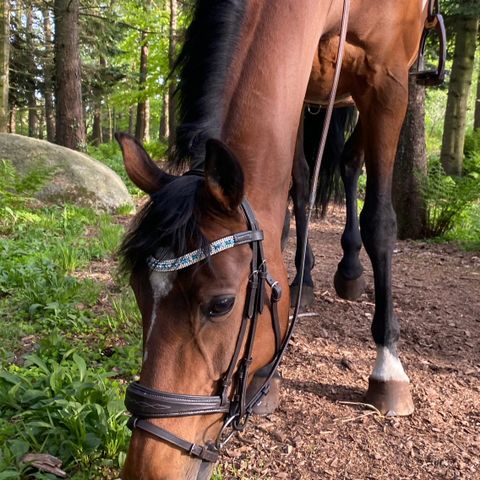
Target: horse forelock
203, 65
168, 224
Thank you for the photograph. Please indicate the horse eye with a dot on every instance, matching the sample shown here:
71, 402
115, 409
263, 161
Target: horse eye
218, 306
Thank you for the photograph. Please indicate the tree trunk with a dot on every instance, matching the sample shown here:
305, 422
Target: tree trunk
97, 132
4, 63
131, 120
141, 106
476, 121
111, 123
48, 78
164, 130
458, 90
12, 120
410, 167
31, 93
146, 136
69, 120
172, 47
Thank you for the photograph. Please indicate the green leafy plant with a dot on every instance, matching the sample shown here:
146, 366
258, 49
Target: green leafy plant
447, 198
61, 407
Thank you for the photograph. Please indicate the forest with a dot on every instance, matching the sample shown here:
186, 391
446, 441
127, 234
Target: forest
75, 72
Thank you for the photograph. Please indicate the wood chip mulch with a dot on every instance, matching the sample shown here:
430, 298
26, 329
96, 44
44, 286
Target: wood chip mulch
316, 435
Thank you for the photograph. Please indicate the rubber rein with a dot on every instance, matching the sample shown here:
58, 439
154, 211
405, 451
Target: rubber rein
146, 403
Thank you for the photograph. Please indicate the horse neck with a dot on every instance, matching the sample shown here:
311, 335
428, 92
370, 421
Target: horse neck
266, 90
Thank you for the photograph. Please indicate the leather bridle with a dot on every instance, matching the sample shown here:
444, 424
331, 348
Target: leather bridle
232, 400
146, 403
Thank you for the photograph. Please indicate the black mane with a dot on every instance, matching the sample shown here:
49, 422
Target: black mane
169, 222
203, 64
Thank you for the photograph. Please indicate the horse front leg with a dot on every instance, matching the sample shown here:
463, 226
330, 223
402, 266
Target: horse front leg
348, 280
389, 385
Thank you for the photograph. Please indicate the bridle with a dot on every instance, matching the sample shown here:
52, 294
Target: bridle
145, 403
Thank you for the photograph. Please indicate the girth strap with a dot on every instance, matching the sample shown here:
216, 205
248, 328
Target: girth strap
206, 453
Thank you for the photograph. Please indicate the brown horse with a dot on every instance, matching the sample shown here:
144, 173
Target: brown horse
245, 68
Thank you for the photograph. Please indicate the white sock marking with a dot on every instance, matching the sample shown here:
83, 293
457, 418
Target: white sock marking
388, 367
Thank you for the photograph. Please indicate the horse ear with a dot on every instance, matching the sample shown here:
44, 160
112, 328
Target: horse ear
141, 169
223, 175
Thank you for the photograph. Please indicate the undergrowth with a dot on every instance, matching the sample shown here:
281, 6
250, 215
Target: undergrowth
66, 335
54, 403
449, 199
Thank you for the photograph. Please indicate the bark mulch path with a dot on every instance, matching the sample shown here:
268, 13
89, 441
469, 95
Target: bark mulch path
314, 435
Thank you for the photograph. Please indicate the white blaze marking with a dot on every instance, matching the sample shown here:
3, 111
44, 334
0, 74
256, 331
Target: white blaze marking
388, 367
162, 283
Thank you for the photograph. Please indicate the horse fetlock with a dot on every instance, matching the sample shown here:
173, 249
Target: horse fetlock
346, 288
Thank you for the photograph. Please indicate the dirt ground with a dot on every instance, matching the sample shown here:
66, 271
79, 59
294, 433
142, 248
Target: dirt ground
314, 435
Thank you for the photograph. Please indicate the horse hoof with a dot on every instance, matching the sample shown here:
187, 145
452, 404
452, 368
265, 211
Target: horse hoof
392, 398
348, 289
270, 402
307, 295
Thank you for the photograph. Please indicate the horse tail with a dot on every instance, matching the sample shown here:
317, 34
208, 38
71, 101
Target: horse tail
330, 186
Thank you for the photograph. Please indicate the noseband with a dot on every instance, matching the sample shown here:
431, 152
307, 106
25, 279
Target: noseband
146, 403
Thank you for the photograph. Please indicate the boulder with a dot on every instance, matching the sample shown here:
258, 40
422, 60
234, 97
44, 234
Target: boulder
77, 178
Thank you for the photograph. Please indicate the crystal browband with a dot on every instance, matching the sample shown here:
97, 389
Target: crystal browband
174, 264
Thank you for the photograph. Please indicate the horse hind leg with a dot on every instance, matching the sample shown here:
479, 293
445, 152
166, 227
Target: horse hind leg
348, 280
299, 193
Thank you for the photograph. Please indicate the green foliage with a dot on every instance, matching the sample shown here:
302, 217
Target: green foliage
472, 153
466, 230
58, 400
41, 251
470, 8
61, 407
448, 198
16, 189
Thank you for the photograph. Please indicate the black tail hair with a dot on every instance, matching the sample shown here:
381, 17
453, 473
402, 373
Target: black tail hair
330, 186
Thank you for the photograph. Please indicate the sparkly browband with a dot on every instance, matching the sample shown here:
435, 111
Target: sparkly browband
174, 264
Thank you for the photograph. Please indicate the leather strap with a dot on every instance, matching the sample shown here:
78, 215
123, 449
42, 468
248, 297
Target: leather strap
206, 453
146, 402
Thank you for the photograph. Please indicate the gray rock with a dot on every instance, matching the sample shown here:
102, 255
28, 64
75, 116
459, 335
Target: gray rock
77, 177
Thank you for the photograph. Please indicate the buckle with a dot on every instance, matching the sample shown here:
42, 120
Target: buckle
431, 22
